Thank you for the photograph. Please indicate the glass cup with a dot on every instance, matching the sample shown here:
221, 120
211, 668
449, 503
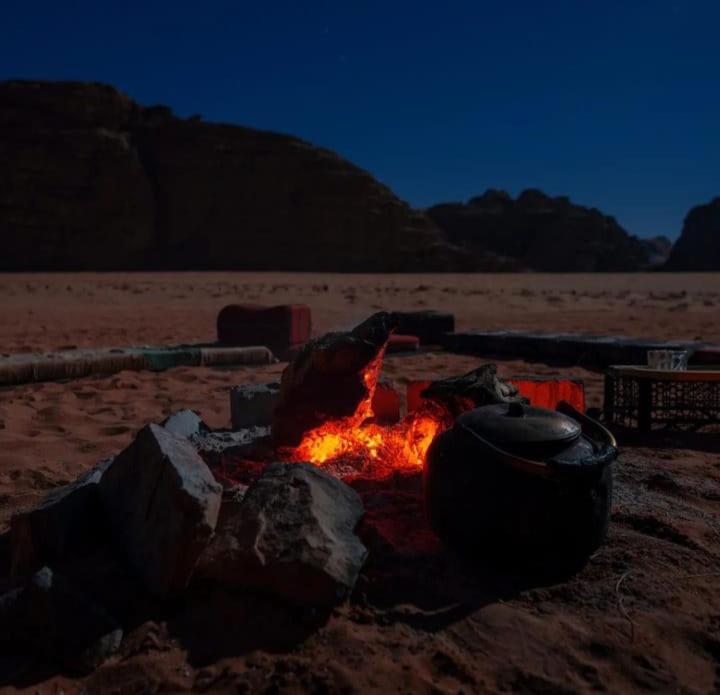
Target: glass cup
658, 359
674, 360
678, 360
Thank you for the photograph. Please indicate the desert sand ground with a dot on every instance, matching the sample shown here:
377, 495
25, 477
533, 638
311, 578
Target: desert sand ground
643, 615
55, 311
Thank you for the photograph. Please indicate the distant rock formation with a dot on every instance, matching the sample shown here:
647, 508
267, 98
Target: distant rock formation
538, 232
91, 180
658, 249
698, 247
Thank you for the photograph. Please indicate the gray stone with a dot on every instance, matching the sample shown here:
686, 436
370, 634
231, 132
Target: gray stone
219, 440
162, 503
252, 405
480, 386
68, 522
11, 609
51, 617
292, 536
185, 423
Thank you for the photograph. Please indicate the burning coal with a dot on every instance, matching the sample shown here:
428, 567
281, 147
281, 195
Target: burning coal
360, 440
325, 414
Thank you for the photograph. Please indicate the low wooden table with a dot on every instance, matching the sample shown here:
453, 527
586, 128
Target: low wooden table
641, 397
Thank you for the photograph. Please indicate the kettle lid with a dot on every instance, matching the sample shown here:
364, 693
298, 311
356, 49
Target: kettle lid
509, 424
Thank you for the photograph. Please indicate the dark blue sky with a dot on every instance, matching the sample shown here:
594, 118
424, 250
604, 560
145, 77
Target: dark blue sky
616, 104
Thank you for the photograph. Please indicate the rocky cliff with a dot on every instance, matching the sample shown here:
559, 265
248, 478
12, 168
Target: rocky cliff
538, 232
91, 180
658, 249
698, 247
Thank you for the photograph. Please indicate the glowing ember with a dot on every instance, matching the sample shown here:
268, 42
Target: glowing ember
400, 446
359, 439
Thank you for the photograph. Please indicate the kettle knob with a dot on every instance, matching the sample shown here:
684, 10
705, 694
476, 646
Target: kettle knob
516, 410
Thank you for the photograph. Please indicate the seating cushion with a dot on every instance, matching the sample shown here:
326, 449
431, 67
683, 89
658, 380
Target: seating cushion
278, 327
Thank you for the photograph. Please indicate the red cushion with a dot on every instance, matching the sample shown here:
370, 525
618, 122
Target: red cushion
278, 327
386, 403
414, 389
543, 392
547, 392
402, 343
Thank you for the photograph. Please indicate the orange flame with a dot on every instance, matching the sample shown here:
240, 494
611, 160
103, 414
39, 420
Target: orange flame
373, 448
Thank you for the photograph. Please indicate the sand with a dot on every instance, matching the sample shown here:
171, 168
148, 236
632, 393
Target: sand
643, 615
84, 310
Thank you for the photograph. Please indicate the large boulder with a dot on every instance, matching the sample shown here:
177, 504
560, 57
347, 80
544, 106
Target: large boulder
538, 232
91, 180
698, 247
185, 423
329, 378
50, 616
69, 522
162, 503
292, 535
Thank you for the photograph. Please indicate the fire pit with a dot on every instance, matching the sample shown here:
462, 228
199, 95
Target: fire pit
500, 476
292, 511
325, 414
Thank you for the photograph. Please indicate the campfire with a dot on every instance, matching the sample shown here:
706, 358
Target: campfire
332, 410
286, 503
361, 441
326, 415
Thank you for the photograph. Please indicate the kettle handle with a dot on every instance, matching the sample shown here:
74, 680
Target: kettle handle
517, 462
593, 426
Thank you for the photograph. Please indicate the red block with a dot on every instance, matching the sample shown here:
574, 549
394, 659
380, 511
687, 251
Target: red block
543, 392
278, 327
386, 403
547, 392
414, 389
403, 343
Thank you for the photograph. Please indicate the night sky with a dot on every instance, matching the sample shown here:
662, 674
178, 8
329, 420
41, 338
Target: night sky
616, 104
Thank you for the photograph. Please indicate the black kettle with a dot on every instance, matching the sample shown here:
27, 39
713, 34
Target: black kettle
520, 484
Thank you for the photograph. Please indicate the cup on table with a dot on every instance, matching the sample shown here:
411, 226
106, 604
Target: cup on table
678, 360
673, 360
658, 359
